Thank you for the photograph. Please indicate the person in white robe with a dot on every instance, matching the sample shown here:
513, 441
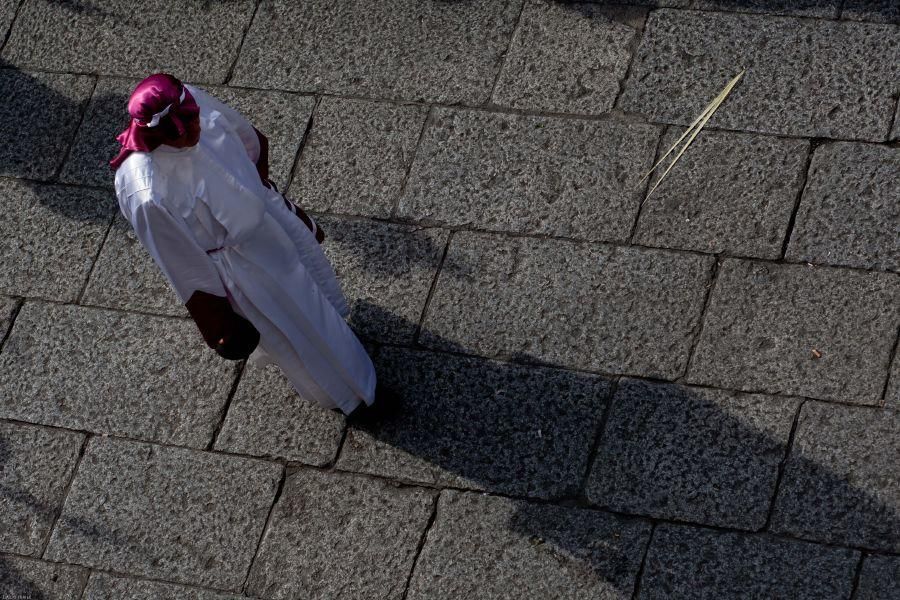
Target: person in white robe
236, 252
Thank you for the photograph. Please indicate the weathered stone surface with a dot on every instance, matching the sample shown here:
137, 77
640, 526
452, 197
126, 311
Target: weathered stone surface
467, 422
731, 193
340, 536
35, 466
405, 49
566, 58
7, 12
561, 177
110, 587
880, 11
110, 37
616, 310
806, 77
268, 418
38, 119
8, 308
691, 454
842, 480
357, 156
166, 513
490, 548
385, 271
892, 392
31, 579
122, 374
880, 579
850, 212
686, 562
49, 236
766, 324
827, 9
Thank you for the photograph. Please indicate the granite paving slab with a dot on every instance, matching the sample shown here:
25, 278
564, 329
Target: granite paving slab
340, 536
732, 193
357, 156
826, 9
842, 480
49, 237
687, 562
103, 586
691, 454
490, 548
879, 11
596, 307
798, 330
892, 391
400, 49
112, 373
38, 119
7, 12
472, 423
8, 307
110, 37
561, 177
805, 77
31, 579
850, 214
385, 271
565, 58
36, 464
164, 512
880, 578
268, 418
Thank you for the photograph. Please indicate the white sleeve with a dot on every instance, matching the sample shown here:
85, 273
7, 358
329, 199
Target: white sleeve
241, 125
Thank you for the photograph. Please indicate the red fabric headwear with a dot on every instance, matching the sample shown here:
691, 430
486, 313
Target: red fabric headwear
160, 108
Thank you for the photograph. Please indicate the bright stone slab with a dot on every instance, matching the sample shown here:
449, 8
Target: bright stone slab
467, 422
122, 374
35, 466
494, 548
804, 77
596, 307
110, 587
732, 193
403, 49
357, 156
766, 322
165, 513
194, 39
702, 564
340, 536
691, 454
49, 236
842, 480
561, 177
29, 579
850, 211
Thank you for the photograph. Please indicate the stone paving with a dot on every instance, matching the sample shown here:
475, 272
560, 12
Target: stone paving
603, 395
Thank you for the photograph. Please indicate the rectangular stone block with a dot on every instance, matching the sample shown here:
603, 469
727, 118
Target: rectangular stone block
402, 49
560, 177
731, 193
110, 37
357, 156
804, 77
165, 513
471, 423
268, 418
385, 271
880, 578
879, 11
594, 307
842, 480
826, 9
31, 579
114, 373
491, 548
8, 308
797, 330
112, 587
49, 236
691, 454
687, 562
340, 536
38, 119
36, 464
850, 213
566, 58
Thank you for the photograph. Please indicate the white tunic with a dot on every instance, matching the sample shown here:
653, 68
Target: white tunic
211, 225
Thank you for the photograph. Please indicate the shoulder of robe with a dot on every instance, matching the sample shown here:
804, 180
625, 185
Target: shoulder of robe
137, 180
